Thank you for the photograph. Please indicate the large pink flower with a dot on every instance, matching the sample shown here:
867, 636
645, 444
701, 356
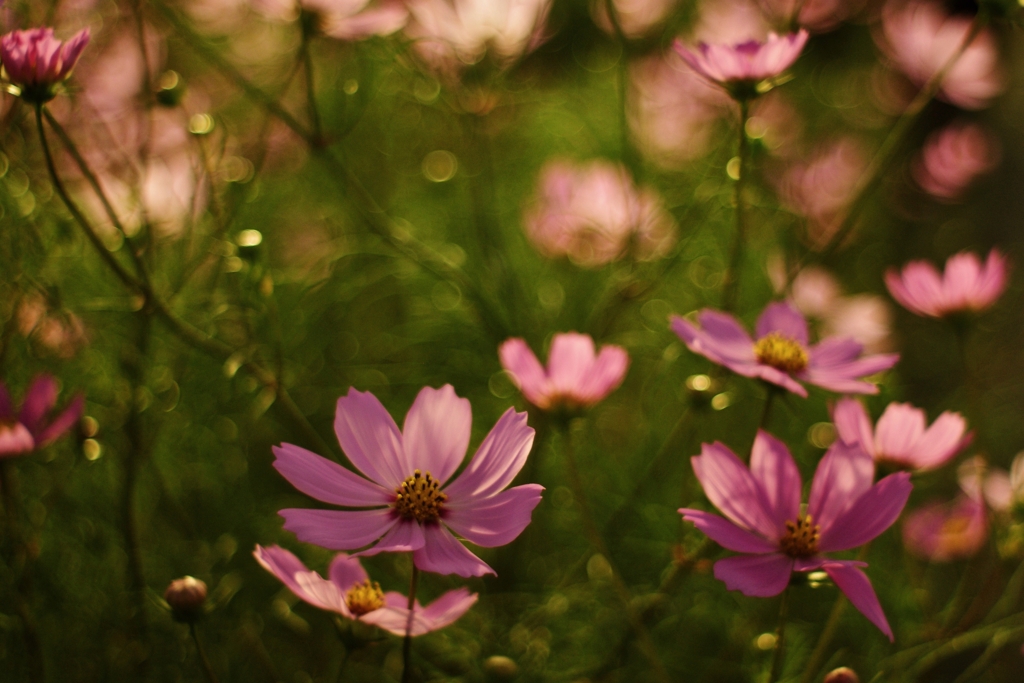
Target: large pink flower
781, 354
408, 503
746, 64
29, 429
765, 521
350, 593
36, 61
900, 438
966, 285
575, 376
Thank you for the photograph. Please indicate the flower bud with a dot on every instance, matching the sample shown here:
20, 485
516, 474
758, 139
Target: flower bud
501, 667
186, 597
842, 675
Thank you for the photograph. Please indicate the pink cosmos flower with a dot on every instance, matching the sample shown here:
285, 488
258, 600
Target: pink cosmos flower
952, 158
635, 17
781, 354
921, 38
341, 19
407, 502
575, 376
30, 429
350, 593
818, 16
764, 519
943, 532
965, 286
744, 65
900, 438
36, 61
594, 214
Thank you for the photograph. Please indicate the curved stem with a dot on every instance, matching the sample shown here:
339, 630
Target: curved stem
407, 641
207, 669
780, 638
731, 283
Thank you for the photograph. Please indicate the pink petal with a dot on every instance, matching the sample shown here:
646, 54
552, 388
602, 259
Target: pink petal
443, 554
729, 485
899, 428
62, 423
436, 432
15, 440
773, 468
338, 529
325, 480
288, 568
606, 374
570, 362
726, 534
495, 521
404, 537
370, 438
873, 512
378, 21
783, 318
497, 461
853, 425
346, 571
857, 587
944, 439
842, 476
444, 611
527, 372
41, 396
942, 533
720, 337
448, 608
758, 576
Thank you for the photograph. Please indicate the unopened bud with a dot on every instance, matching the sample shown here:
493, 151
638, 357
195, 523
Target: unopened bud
501, 667
843, 674
186, 597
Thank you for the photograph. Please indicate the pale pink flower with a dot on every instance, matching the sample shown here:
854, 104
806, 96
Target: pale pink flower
635, 17
740, 68
349, 592
594, 214
901, 438
575, 376
406, 501
921, 38
1003, 491
29, 429
943, 532
61, 333
965, 286
341, 19
782, 354
36, 61
765, 521
817, 16
952, 158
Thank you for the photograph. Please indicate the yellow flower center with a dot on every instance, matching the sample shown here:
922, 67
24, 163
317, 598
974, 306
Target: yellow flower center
801, 539
364, 597
420, 498
781, 352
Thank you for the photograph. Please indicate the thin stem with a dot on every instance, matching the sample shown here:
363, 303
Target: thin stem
625, 142
207, 669
407, 641
731, 283
766, 414
307, 63
341, 665
780, 638
817, 657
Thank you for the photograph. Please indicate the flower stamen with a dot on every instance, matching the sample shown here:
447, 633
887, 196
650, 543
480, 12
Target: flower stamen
801, 539
364, 597
781, 352
420, 498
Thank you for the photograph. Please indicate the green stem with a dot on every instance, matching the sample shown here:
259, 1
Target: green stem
780, 638
314, 113
731, 284
407, 641
817, 657
207, 669
766, 414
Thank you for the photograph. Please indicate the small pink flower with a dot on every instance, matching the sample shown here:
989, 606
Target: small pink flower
594, 214
766, 522
29, 429
406, 501
740, 68
943, 532
921, 38
635, 17
575, 377
341, 19
350, 593
817, 16
900, 438
952, 158
36, 61
781, 355
966, 285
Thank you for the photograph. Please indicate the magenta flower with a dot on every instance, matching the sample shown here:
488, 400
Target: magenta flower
765, 521
350, 593
408, 504
740, 68
575, 376
900, 438
781, 355
35, 60
29, 429
943, 532
966, 285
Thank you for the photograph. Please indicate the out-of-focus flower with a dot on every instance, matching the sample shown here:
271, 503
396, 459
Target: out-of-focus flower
921, 38
30, 429
821, 187
410, 506
575, 376
765, 521
186, 597
594, 214
900, 438
952, 158
965, 286
35, 61
341, 19
817, 16
943, 532
61, 333
781, 354
843, 674
742, 69
450, 34
635, 17
1003, 491
350, 593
